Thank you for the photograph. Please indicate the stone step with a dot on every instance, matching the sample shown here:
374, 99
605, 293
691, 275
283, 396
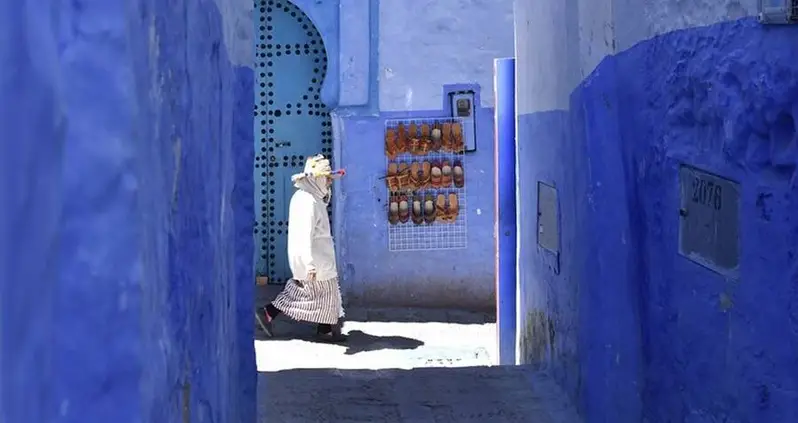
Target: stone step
497, 394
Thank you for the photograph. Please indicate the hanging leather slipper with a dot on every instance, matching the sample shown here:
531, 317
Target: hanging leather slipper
440, 208
425, 131
436, 175
457, 138
403, 176
446, 174
453, 208
459, 174
415, 175
429, 208
437, 138
404, 209
401, 139
393, 210
417, 211
426, 175
392, 177
446, 137
390, 143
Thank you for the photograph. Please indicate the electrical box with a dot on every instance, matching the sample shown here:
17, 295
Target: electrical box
463, 107
778, 12
548, 218
709, 220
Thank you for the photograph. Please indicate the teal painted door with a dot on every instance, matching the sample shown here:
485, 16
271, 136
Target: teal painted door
291, 122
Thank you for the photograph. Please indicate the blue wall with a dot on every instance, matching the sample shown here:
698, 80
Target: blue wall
124, 294
374, 275
633, 330
30, 201
369, 79
390, 72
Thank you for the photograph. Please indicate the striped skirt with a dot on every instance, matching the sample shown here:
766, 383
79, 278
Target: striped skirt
315, 302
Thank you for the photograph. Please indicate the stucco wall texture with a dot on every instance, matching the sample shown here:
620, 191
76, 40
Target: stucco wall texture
414, 54
133, 119
612, 97
388, 60
136, 122
124, 294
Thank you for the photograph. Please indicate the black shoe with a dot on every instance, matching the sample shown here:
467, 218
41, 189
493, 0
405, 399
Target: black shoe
333, 337
264, 321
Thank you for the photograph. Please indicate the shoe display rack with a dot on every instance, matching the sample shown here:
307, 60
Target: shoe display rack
425, 177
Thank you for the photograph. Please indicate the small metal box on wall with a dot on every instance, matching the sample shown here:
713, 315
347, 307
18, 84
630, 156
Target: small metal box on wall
548, 215
709, 220
463, 107
548, 218
778, 12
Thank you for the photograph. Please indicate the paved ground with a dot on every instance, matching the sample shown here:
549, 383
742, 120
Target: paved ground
377, 342
439, 395
408, 370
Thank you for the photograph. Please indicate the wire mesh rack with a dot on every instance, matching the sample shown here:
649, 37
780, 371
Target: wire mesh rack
440, 233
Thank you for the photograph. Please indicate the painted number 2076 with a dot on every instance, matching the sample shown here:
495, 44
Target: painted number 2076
707, 193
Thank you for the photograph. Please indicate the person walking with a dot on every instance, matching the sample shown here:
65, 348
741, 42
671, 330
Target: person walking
312, 294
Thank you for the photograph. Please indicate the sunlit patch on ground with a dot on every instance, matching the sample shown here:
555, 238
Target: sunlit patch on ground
383, 345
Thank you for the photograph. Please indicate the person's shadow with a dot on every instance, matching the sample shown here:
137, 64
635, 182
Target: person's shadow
360, 342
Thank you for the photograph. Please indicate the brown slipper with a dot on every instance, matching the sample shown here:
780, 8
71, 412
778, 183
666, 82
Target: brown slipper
393, 210
415, 142
436, 137
415, 175
403, 176
413, 146
446, 174
391, 177
420, 146
440, 208
424, 148
401, 139
436, 175
425, 134
417, 212
404, 209
390, 143
453, 208
446, 137
412, 131
426, 175
429, 208
459, 174
457, 138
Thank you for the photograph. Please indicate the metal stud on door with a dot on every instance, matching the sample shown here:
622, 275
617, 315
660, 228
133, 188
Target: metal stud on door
291, 122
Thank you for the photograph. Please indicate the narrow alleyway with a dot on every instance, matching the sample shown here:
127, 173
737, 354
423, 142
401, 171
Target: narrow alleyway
401, 366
